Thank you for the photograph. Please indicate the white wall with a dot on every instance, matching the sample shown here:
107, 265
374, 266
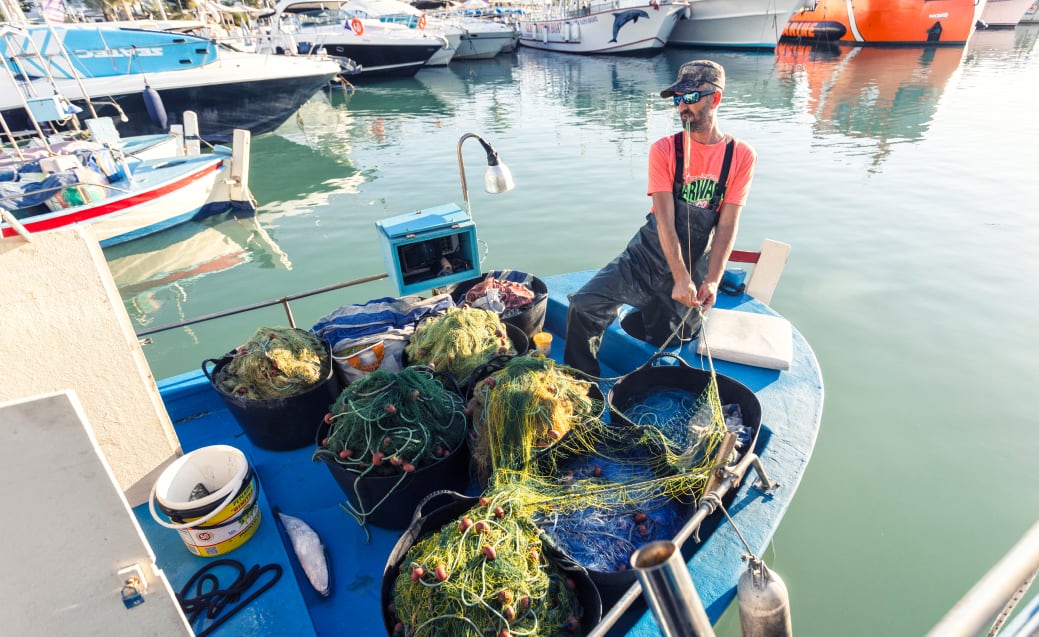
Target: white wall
63, 326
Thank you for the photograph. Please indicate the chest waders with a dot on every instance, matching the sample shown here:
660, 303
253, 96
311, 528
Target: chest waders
640, 276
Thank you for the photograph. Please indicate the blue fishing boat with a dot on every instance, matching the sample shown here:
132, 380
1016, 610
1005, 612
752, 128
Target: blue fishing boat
264, 586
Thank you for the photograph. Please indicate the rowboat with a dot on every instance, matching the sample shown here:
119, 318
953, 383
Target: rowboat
129, 197
125, 430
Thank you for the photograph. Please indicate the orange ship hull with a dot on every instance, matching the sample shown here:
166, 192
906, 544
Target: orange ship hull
892, 22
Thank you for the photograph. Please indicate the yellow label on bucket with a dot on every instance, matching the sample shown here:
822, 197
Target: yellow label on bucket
212, 541
245, 498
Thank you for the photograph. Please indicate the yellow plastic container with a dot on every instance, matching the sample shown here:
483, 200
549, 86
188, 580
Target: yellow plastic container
543, 343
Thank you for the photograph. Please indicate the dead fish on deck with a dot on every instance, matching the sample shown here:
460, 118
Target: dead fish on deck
309, 551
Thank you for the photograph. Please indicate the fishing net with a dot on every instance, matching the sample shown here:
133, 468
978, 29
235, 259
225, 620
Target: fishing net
459, 341
603, 490
393, 423
523, 408
484, 573
275, 363
595, 491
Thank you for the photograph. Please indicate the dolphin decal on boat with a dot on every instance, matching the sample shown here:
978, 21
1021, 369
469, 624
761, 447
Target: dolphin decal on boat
624, 17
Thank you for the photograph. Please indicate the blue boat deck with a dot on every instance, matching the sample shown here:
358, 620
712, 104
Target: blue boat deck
791, 412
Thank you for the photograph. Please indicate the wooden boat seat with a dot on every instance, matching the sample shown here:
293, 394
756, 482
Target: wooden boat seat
769, 262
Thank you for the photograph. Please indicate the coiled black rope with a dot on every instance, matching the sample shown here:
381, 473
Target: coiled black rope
211, 600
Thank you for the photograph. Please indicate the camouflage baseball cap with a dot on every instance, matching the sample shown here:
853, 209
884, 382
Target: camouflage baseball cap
694, 74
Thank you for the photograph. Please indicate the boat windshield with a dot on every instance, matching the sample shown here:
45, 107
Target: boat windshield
318, 17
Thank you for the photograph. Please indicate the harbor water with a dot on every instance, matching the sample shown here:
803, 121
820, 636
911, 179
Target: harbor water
904, 178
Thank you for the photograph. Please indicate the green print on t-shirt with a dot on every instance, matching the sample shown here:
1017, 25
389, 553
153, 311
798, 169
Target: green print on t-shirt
699, 190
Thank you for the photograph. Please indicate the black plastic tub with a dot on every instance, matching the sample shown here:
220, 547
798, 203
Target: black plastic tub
429, 518
279, 424
632, 389
529, 318
629, 391
396, 512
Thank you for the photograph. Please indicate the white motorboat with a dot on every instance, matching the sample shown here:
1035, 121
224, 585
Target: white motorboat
742, 24
113, 67
1003, 14
364, 48
613, 26
483, 39
401, 13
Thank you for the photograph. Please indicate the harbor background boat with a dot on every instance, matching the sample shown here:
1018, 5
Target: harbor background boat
908, 196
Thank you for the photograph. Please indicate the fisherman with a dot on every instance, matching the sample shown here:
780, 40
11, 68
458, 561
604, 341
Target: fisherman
670, 270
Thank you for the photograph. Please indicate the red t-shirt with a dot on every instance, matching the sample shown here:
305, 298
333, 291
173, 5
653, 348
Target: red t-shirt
703, 166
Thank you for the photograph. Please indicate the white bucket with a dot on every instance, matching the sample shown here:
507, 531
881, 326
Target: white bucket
216, 523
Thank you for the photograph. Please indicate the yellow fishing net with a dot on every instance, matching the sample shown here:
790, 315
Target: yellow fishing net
595, 490
276, 362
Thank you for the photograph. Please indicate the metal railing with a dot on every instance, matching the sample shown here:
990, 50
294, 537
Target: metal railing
283, 301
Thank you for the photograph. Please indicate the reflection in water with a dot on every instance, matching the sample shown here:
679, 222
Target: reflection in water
304, 162
884, 96
1007, 47
162, 267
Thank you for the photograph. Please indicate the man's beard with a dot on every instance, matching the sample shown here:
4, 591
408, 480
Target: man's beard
695, 121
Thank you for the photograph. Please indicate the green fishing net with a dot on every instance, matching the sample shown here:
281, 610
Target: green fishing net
485, 573
459, 341
276, 362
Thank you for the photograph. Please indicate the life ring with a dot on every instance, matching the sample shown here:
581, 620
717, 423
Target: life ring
356, 26
422, 22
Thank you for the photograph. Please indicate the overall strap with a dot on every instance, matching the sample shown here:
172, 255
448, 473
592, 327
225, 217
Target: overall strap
679, 157
723, 178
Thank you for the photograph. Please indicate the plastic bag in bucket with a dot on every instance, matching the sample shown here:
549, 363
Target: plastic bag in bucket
357, 332
210, 497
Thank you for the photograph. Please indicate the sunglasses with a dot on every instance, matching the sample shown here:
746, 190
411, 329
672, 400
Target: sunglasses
691, 98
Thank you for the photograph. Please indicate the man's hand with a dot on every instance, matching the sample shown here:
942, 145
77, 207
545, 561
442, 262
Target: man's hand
706, 296
684, 291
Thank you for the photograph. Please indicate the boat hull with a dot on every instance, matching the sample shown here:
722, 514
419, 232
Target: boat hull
396, 60
1004, 14
887, 22
165, 193
634, 28
228, 90
482, 46
741, 24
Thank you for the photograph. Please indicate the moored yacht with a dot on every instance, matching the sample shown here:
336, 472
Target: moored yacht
1003, 14
611, 26
363, 48
742, 24
113, 67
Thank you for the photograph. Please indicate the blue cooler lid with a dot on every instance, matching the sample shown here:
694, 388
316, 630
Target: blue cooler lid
424, 220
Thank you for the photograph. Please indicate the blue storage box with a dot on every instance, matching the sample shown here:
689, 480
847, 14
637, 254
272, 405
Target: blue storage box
429, 248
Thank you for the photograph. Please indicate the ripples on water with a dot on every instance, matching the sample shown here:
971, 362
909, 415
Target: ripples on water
904, 178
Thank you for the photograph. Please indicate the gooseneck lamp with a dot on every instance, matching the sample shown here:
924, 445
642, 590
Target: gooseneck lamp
497, 179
